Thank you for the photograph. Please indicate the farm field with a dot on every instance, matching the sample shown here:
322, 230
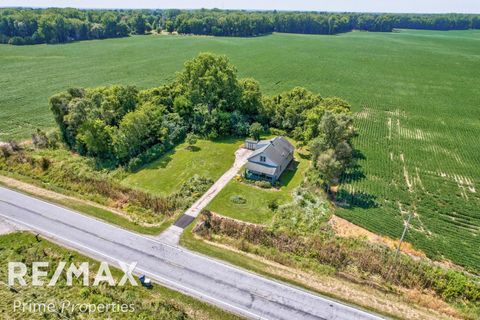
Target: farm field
415, 93
209, 159
256, 209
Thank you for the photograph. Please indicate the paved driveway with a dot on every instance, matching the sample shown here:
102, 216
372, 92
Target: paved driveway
172, 234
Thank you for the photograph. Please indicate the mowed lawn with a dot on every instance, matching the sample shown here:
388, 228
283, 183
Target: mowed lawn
209, 159
415, 93
256, 208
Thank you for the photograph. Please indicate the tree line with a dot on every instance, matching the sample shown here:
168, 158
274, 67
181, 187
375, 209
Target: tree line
32, 26
122, 125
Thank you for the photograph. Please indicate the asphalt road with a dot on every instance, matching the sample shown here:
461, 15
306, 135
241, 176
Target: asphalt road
228, 287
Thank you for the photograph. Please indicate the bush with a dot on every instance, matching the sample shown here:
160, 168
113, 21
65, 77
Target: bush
44, 163
263, 184
40, 139
17, 41
238, 199
273, 205
190, 192
14, 146
5, 150
148, 156
53, 139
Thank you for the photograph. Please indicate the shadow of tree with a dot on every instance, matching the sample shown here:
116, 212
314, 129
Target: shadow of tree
304, 156
358, 154
288, 174
353, 174
360, 199
193, 148
354, 171
162, 162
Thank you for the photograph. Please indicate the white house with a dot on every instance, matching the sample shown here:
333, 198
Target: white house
270, 158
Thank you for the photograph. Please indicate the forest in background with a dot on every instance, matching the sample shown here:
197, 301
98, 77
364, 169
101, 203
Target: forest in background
21, 26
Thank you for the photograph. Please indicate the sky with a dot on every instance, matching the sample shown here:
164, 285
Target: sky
410, 6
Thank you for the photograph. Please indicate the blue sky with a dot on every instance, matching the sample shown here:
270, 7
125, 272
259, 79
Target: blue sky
417, 6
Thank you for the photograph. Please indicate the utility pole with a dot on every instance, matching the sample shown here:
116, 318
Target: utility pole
405, 229
403, 235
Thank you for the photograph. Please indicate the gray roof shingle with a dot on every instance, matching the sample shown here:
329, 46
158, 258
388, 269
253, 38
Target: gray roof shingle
276, 149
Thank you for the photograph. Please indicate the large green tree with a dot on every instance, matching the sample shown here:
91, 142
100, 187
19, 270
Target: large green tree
210, 80
139, 130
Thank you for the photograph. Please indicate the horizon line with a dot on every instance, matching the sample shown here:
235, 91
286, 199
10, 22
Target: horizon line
235, 9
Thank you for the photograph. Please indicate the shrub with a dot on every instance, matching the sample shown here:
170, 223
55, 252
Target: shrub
273, 204
5, 150
44, 163
40, 139
53, 139
14, 146
78, 175
148, 156
17, 41
238, 199
263, 184
190, 191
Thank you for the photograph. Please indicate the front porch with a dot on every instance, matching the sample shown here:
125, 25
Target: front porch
254, 175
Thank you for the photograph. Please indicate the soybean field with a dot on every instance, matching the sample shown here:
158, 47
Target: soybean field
416, 95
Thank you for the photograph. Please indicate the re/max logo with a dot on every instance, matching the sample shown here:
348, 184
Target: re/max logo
17, 272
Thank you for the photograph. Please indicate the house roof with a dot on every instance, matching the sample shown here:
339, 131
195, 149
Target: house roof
276, 149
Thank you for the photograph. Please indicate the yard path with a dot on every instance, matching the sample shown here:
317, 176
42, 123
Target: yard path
172, 234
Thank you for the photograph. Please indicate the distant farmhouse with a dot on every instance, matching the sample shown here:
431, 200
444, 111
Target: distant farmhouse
270, 158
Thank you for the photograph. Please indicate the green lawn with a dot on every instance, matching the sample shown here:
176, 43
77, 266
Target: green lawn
415, 93
157, 303
208, 158
256, 209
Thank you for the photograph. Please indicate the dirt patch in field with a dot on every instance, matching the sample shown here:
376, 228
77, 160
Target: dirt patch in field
364, 114
345, 228
428, 307
52, 195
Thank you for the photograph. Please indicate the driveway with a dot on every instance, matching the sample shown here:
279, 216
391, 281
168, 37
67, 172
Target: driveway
172, 234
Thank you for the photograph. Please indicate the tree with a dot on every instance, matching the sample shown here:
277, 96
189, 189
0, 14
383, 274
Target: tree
336, 128
251, 99
331, 151
329, 167
287, 110
138, 130
191, 139
139, 24
95, 139
31, 26
210, 80
183, 107
256, 130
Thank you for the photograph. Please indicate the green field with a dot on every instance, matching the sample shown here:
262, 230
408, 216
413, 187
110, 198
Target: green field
416, 93
166, 175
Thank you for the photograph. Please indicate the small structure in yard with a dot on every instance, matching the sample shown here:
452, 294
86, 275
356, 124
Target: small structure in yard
251, 144
269, 159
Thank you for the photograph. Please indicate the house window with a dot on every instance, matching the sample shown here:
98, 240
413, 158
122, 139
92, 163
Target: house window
263, 159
